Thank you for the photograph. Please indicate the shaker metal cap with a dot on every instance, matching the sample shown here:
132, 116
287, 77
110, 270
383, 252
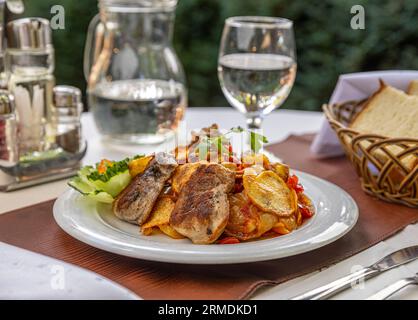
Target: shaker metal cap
7, 103
67, 97
29, 33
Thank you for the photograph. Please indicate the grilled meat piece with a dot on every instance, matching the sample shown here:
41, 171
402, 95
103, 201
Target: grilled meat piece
202, 209
135, 202
182, 175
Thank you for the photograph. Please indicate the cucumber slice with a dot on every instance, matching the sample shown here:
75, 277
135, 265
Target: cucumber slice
102, 197
115, 185
89, 183
83, 174
79, 185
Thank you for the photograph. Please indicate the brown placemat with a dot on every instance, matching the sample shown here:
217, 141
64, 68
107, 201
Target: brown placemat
34, 228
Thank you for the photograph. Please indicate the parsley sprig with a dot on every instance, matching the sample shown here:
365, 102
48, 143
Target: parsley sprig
112, 170
256, 140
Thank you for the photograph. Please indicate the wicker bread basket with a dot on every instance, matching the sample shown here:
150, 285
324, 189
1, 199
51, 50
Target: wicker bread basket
379, 161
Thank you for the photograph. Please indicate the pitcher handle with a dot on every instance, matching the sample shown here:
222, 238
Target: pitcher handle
95, 32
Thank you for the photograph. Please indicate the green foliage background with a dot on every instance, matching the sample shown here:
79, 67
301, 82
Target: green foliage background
326, 45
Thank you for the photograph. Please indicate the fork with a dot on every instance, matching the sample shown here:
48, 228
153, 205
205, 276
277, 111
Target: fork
393, 288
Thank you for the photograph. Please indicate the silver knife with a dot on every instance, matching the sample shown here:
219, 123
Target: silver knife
392, 260
393, 288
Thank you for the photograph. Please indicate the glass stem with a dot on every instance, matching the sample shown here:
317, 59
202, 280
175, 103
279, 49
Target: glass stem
254, 122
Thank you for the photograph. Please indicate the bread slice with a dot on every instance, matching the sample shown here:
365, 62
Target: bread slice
392, 113
413, 88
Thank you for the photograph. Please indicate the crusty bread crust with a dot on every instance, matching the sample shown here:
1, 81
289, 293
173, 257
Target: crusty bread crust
413, 88
367, 103
410, 162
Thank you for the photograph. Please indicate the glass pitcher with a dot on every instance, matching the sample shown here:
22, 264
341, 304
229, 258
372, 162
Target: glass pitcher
135, 82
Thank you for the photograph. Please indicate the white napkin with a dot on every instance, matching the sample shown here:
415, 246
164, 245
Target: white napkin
356, 86
405, 238
29, 275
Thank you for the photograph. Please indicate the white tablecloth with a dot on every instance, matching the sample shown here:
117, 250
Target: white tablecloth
277, 126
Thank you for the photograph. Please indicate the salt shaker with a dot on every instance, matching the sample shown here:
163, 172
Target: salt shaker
8, 8
65, 118
8, 130
29, 64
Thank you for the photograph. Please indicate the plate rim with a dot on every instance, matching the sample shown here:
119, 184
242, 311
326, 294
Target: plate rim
152, 254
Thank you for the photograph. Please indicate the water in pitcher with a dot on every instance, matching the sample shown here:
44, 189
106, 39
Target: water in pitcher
138, 111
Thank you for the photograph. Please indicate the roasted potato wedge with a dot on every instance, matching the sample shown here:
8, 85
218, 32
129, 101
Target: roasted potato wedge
280, 228
243, 216
160, 214
294, 200
165, 229
286, 225
169, 230
268, 221
299, 218
305, 206
246, 221
147, 231
230, 165
253, 170
281, 170
137, 166
258, 159
290, 223
304, 200
270, 193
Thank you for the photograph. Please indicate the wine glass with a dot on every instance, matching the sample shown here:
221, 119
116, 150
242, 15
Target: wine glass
257, 65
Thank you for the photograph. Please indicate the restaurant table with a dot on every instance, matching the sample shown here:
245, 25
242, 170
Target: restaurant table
277, 126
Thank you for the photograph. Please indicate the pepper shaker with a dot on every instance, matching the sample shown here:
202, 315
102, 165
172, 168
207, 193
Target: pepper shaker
8, 138
8, 130
65, 118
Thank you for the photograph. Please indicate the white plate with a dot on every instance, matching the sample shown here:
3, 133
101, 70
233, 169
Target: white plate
94, 224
